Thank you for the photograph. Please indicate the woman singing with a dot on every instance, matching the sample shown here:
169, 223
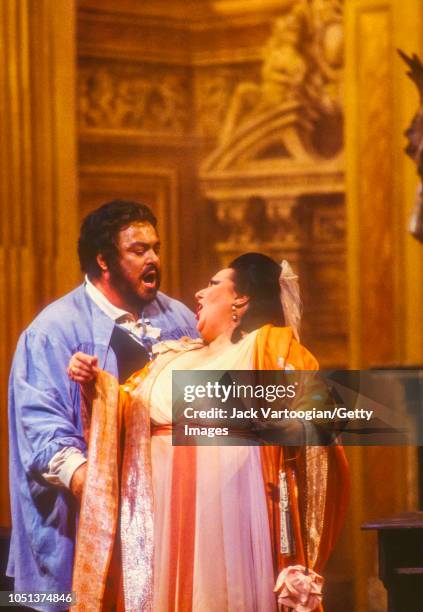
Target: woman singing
206, 528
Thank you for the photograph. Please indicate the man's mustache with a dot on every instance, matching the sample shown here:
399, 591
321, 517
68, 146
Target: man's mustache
150, 268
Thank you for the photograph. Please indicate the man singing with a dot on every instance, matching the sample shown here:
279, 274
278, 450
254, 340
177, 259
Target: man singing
116, 316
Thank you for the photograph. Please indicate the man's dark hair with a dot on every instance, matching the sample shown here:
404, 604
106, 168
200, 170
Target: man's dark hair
100, 229
257, 276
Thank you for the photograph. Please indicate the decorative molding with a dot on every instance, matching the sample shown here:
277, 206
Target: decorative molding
139, 55
284, 134
275, 177
282, 222
143, 39
191, 15
131, 138
174, 57
234, 217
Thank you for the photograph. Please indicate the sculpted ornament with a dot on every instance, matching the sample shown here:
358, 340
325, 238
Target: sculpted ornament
213, 91
281, 220
328, 52
302, 63
125, 98
282, 76
235, 217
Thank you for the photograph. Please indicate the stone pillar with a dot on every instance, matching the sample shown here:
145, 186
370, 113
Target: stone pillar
38, 190
385, 263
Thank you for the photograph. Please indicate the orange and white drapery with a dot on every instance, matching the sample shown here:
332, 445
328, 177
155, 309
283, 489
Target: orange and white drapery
119, 486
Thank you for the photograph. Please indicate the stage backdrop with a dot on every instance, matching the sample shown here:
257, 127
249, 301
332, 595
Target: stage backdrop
273, 125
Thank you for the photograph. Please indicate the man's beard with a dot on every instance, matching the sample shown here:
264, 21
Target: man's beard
127, 288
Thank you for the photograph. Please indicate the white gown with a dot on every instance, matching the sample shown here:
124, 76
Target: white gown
221, 560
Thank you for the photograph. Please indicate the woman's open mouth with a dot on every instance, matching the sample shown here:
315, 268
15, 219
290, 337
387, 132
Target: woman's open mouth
197, 311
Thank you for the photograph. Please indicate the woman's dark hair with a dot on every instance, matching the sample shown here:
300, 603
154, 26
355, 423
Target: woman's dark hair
257, 276
100, 228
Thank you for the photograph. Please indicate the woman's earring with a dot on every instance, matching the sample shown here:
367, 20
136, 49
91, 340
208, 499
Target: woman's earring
234, 315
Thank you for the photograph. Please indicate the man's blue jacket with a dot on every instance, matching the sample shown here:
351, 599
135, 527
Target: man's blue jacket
44, 416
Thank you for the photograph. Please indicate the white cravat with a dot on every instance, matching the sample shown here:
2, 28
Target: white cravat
138, 327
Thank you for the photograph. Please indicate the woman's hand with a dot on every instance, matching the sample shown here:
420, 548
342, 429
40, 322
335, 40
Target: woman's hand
83, 368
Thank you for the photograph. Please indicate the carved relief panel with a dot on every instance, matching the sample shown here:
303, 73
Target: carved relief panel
276, 173
214, 88
123, 95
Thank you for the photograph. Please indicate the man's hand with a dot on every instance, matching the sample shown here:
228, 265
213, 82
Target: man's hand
78, 481
83, 368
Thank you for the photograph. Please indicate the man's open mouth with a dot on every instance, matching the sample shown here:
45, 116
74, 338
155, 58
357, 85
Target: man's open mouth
150, 278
